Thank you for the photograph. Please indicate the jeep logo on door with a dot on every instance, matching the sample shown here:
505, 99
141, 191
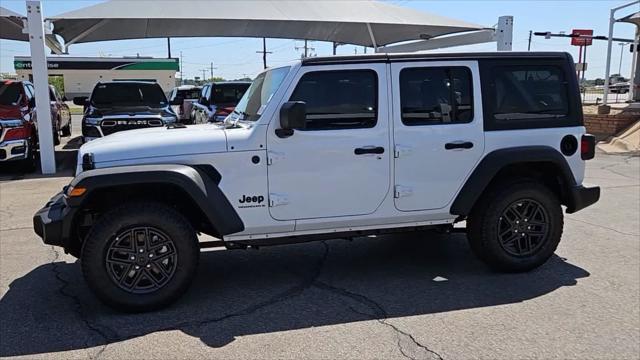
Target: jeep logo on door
249, 201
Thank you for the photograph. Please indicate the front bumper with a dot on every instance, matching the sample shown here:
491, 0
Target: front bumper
580, 197
14, 150
53, 222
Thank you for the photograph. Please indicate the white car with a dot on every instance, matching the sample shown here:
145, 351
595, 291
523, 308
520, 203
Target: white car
331, 148
182, 99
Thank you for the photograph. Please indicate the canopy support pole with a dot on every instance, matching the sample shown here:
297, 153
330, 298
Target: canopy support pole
607, 71
373, 38
41, 84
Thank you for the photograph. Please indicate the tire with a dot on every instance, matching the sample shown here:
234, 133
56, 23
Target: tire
66, 131
516, 226
144, 283
56, 137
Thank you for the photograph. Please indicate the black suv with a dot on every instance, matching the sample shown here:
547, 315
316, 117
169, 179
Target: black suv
123, 105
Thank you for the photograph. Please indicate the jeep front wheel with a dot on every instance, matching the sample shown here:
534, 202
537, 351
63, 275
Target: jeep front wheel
516, 227
140, 257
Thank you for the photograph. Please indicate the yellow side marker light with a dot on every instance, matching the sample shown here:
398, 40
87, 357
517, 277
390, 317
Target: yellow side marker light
77, 191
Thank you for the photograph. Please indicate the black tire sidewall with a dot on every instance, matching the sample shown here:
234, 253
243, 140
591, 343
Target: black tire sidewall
492, 251
139, 214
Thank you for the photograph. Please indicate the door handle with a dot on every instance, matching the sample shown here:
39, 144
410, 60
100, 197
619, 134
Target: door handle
369, 150
458, 145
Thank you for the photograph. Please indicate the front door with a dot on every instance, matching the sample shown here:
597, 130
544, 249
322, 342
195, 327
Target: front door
437, 114
340, 164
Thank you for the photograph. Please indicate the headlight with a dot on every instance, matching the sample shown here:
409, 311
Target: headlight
92, 120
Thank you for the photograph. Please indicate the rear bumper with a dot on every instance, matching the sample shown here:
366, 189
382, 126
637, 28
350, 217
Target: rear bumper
14, 150
580, 197
53, 222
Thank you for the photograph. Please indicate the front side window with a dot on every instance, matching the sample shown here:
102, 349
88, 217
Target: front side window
529, 92
128, 94
437, 95
344, 99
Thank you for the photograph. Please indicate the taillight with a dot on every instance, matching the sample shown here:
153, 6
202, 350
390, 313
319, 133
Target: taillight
17, 133
587, 147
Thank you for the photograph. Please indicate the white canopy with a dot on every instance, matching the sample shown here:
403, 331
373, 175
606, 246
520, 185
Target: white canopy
367, 23
11, 25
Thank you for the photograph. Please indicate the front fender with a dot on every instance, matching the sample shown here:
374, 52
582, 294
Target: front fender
200, 182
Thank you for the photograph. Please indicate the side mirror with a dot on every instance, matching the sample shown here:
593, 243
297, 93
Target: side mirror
177, 101
293, 115
32, 102
80, 100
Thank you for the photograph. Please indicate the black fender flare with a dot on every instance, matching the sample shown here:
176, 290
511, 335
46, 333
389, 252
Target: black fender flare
495, 161
200, 182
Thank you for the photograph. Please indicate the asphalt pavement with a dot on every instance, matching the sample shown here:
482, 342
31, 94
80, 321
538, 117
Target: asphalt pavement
419, 296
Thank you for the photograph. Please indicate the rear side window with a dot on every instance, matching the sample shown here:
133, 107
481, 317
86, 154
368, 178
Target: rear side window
530, 92
343, 99
10, 93
433, 96
535, 94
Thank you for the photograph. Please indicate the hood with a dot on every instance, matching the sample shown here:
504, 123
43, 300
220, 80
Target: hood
131, 110
156, 142
10, 112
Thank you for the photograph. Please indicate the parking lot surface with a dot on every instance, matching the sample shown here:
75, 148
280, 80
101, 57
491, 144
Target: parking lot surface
419, 296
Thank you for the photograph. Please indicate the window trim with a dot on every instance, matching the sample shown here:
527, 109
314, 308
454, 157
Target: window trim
376, 102
488, 69
445, 67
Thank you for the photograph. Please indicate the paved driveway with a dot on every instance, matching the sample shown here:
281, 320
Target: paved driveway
416, 296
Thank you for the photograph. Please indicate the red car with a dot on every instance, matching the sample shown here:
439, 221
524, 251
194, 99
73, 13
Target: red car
18, 121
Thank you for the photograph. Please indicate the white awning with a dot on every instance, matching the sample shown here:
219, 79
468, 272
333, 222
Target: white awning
11, 25
367, 23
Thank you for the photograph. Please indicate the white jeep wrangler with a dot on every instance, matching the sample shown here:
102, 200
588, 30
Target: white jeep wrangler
335, 147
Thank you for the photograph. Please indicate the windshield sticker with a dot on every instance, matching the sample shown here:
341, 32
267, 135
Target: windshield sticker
261, 109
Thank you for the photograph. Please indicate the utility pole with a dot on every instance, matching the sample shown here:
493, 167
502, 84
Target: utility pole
264, 52
529, 46
306, 48
181, 73
212, 68
204, 76
168, 48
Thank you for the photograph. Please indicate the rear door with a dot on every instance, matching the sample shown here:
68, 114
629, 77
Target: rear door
437, 115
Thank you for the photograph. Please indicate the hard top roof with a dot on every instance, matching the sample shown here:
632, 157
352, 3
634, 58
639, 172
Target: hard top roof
431, 56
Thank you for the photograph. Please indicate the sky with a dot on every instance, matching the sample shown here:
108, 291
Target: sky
237, 57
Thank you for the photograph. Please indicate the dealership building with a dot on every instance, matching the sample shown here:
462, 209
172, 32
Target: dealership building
80, 74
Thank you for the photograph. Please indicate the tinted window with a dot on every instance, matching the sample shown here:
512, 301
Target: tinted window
529, 92
431, 96
228, 93
189, 94
9, 93
128, 94
339, 99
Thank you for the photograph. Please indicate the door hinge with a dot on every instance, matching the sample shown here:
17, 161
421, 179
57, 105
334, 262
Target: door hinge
401, 150
402, 191
274, 156
278, 199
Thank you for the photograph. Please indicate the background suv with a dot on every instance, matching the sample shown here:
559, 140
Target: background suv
124, 105
217, 100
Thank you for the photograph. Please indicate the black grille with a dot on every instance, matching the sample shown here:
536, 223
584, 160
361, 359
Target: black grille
114, 125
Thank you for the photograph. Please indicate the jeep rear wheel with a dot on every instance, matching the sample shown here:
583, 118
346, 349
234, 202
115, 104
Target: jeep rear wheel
516, 227
140, 256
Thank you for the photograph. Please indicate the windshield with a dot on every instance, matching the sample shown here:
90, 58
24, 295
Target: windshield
9, 93
128, 94
259, 94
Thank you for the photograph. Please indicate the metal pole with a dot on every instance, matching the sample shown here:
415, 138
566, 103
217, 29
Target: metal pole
584, 60
212, 71
621, 55
529, 46
607, 71
168, 48
41, 82
612, 20
335, 47
634, 89
181, 73
264, 53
